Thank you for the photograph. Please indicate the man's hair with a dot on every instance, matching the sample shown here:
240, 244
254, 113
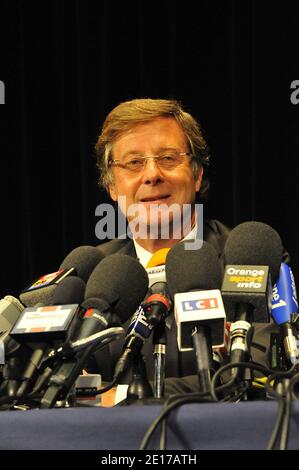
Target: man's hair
128, 114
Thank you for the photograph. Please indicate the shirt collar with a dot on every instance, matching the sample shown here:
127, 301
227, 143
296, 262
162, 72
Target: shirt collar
144, 255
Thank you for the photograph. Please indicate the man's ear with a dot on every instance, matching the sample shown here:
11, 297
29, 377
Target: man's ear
198, 179
112, 192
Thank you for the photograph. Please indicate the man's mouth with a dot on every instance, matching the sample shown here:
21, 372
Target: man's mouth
158, 198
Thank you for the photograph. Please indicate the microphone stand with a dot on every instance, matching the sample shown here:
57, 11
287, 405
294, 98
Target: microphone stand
159, 342
12, 373
139, 387
241, 332
204, 357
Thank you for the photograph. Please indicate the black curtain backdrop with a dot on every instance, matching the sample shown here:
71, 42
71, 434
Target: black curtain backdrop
66, 64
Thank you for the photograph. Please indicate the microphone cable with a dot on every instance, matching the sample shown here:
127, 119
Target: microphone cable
284, 393
178, 400
287, 417
45, 371
171, 403
241, 389
235, 399
276, 391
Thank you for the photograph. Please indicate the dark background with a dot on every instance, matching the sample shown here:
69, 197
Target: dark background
66, 64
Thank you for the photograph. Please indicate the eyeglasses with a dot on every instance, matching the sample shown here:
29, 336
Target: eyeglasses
166, 161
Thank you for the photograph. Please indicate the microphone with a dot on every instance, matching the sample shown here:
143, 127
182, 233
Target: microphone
39, 327
10, 311
253, 253
157, 303
158, 300
53, 321
70, 291
194, 279
153, 310
284, 307
80, 261
108, 302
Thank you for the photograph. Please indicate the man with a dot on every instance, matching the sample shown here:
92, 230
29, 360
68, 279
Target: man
138, 139
152, 156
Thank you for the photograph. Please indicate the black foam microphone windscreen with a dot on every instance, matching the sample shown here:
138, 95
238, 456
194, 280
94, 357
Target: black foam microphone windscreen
254, 243
188, 270
69, 291
84, 259
121, 281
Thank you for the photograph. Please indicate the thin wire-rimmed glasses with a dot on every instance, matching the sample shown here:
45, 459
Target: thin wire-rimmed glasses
166, 161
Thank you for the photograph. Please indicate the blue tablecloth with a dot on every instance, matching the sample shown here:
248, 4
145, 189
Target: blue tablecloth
245, 425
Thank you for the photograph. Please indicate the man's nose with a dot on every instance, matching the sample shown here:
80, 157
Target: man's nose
151, 172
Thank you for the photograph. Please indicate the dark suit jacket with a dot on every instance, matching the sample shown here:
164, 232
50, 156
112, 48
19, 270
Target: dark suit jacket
214, 232
177, 364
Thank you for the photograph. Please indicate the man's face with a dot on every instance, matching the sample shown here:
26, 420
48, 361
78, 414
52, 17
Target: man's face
153, 186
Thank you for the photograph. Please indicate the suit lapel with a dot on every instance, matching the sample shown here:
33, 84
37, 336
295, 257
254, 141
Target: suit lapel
128, 249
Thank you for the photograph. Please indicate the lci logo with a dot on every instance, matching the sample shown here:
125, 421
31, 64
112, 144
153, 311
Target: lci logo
202, 304
2, 92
